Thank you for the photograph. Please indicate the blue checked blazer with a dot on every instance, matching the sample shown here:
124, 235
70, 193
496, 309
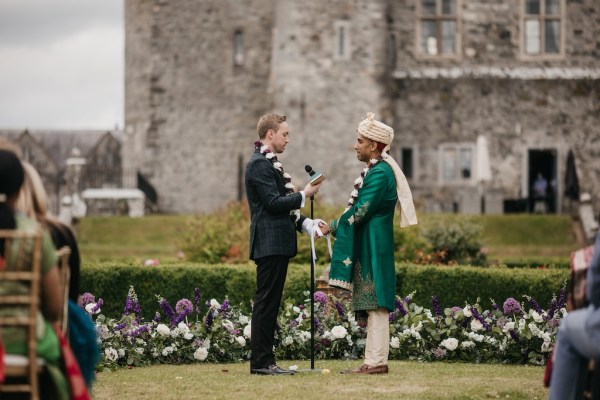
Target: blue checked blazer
272, 231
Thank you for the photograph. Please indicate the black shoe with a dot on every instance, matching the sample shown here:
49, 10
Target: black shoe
271, 370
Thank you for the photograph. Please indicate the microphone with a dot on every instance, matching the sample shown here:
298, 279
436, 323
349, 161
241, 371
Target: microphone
316, 176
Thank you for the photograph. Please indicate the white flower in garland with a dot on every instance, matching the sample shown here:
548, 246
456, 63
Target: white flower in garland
163, 330
395, 342
289, 186
241, 341
476, 325
358, 182
248, 331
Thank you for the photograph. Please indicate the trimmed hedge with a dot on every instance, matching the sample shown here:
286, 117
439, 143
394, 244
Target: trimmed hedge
452, 285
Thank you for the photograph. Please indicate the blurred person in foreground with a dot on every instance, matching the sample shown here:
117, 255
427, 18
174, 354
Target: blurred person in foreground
578, 340
275, 218
363, 253
33, 201
12, 176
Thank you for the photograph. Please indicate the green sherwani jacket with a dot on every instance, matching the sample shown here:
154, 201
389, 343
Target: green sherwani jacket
363, 253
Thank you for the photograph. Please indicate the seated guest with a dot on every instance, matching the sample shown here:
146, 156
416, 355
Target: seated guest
578, 340
12, 176
33, 202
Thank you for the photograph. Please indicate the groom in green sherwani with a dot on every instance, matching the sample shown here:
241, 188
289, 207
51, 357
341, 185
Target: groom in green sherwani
363, 254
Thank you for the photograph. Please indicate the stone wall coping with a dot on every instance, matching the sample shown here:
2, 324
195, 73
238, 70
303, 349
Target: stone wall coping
484, 72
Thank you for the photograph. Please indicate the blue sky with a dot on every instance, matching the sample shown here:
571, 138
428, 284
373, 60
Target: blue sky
61, 64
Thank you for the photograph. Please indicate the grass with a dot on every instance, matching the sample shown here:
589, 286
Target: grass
406, 380
509, 238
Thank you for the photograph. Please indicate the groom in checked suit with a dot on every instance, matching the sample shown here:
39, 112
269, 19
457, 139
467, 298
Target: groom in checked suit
275, 218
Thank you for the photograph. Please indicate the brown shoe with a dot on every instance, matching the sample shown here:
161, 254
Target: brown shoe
367, 370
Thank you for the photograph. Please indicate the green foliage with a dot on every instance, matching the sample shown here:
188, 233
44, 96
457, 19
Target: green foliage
457, 242
452, 285
111, 282
221, 236
455, 285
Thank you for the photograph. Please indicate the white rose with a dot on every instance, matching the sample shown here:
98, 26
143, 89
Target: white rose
214, 304
111, 354
139, 350
248, 331
338, 332
476, 325
395, 342
467, 312
241, 341
326, 335
167, 350
163, 330
121, 353
200, 354
183, 327
450, 343
296, 309
188, 336
244, 319
509, 326
206, 344
288, 340
536, 317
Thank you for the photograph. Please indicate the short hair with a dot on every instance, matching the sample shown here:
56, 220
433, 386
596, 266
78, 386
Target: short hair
268, 121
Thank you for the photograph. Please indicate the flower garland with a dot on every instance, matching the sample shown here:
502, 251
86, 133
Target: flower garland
358, 183
289, 186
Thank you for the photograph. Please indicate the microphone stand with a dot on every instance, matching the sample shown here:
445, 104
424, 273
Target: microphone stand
312, 297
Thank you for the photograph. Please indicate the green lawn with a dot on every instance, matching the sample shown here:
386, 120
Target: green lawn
509, 238
406, 380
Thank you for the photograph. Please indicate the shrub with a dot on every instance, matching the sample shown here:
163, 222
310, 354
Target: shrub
452, 285
457, 242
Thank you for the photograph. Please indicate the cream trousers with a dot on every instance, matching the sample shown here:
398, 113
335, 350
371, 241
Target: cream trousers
378, 337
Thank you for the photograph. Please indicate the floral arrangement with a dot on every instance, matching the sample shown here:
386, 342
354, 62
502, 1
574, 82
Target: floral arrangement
192, 331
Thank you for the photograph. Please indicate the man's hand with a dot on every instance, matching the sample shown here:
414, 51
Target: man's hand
323, 227
310, 190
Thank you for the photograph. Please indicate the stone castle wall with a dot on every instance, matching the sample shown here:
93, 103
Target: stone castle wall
191, 113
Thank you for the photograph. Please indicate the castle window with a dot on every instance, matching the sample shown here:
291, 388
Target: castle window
542, 28
238, 48
343, 50
407, 162
438, 27
456, 162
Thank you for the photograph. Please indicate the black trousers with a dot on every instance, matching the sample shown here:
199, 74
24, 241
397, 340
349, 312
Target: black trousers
270, 278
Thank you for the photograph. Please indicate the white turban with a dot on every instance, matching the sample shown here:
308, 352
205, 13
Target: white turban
376, 130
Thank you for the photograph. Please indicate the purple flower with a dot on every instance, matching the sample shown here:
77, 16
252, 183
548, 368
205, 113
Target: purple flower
478, 317
436, 306
392, 317
495, 306
168, 310
512, 307
131, 304
340, 309
439, 352
184, 307
225, 305
321, 297
535, 305
208, 321
400, 307
98, 305
197, 300
85, 299
514, 334
561, 298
